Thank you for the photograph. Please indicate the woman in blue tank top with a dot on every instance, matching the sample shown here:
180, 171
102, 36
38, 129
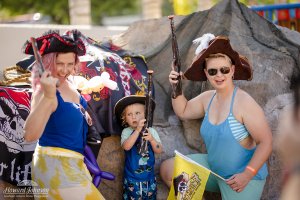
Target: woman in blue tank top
59, 121
235, 131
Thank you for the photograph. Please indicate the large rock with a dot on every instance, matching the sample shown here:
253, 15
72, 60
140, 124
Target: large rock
273, 52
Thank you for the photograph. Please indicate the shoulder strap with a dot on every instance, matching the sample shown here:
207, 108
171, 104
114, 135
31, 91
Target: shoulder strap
59, 98
82, 102
210, 102
232, 99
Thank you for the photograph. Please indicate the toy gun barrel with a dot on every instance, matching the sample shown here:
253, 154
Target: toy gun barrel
37, 56
176, 88
143, 147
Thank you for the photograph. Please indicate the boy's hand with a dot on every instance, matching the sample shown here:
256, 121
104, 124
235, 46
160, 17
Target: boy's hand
140, 125
147, 135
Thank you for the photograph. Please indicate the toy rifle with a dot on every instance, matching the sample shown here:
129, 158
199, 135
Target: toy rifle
176, 88
143, 146
37, 56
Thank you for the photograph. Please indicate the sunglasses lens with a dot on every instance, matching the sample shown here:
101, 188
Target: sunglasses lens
212, 72
225, 70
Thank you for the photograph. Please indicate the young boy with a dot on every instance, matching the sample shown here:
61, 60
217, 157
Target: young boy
139, 177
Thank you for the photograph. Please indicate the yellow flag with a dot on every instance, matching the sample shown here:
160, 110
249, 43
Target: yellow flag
184, 7
189, 179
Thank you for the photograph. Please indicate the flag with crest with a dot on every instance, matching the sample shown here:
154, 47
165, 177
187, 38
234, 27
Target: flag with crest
189, 179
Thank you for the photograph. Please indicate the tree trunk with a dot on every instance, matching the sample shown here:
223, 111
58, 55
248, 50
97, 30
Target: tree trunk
151, 9
80, 12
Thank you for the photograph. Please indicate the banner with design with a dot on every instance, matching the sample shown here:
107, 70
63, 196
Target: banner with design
189, 179
16, 154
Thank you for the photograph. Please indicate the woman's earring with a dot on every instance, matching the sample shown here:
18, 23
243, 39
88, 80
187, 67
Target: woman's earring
233, 77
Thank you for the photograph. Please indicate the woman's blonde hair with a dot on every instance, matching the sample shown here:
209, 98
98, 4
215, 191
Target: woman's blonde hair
218, 55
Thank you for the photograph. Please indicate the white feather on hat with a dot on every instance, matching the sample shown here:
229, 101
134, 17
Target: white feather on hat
203, 42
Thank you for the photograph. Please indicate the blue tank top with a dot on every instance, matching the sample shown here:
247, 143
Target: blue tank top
67, 127
226, 156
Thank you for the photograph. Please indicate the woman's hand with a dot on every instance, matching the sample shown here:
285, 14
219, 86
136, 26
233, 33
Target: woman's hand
48, 84
43, 104
238, 182
174, 75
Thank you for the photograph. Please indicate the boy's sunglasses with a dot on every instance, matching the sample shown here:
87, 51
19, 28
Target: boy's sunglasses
223, 70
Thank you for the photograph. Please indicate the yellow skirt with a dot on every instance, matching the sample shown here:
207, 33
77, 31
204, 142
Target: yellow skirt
62, 174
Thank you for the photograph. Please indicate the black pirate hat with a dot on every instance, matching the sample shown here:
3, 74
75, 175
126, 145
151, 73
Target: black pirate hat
52, 41
219, 44
128, 100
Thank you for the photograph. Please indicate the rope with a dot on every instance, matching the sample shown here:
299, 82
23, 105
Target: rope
20, 75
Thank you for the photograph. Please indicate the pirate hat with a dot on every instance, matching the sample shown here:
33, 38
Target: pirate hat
128, 100
52, 41
219, 44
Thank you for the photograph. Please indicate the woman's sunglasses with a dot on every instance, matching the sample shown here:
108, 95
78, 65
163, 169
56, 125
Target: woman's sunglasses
223, 70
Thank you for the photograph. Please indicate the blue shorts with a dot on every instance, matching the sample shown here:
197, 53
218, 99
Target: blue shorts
135, 190
252, 191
